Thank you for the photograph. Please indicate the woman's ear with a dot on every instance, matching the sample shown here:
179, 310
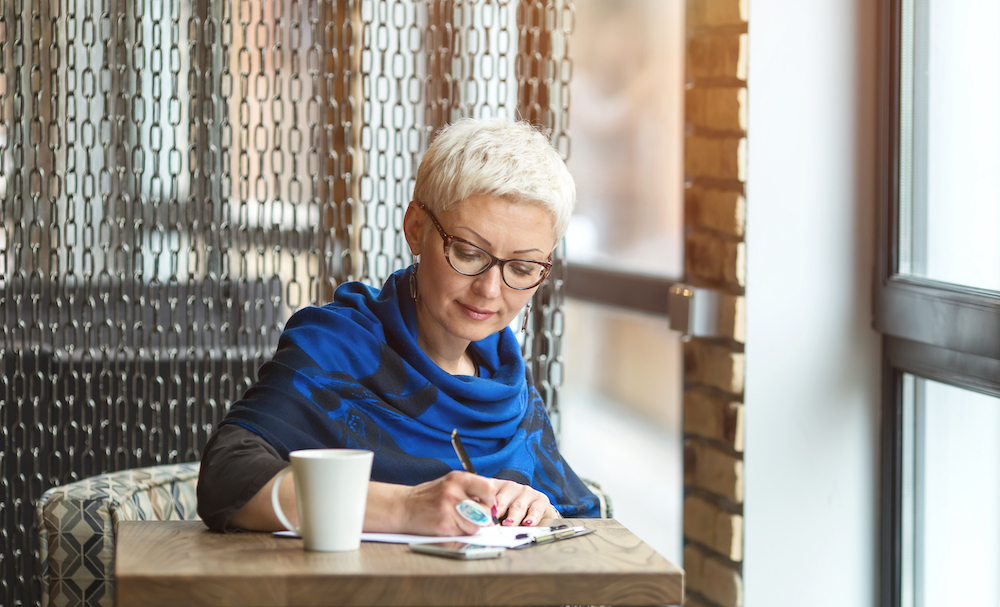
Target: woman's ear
413, 227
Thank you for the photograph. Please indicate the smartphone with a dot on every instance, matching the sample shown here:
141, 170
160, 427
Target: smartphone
458, 550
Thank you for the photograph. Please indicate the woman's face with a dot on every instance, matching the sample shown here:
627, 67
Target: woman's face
452, 309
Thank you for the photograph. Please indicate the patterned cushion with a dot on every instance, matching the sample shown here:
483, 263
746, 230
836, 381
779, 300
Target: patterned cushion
76, 526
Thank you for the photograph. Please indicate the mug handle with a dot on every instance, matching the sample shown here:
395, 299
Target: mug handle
277, 505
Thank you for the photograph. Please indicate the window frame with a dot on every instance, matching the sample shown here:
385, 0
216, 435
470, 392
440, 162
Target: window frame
908, 312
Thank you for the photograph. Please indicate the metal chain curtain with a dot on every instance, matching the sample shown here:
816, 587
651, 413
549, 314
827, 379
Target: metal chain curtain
178, 176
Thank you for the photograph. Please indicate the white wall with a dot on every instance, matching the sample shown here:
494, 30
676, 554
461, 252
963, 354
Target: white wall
813, 360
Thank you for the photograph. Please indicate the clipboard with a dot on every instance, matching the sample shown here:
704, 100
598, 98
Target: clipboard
556, 535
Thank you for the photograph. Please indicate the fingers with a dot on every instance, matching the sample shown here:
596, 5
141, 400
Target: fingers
456, 487
521, 504
479, 488
536, 512
507, 509
464, 526
431, 506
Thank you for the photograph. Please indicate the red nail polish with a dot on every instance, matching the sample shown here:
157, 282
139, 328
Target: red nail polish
527, 522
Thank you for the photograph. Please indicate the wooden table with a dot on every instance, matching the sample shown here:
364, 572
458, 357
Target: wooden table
181, 563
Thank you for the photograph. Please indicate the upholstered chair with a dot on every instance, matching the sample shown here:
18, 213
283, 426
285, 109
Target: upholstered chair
77, 522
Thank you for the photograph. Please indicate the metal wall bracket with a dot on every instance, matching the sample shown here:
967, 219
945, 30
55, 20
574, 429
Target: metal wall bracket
692, 311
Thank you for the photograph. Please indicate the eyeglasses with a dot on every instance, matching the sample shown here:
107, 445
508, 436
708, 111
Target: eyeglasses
472, 260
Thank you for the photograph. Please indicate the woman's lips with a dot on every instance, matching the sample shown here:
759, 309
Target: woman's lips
477, 313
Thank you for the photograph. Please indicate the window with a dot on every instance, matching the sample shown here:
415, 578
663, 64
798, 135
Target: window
623, 387
951, 488
938, 302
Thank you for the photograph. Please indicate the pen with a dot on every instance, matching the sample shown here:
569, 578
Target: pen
456, 442
463, 508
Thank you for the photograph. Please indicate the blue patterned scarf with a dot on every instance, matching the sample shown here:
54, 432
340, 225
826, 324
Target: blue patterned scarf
350, 375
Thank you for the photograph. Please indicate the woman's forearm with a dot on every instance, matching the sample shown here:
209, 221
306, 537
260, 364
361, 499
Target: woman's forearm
258, 513
424, 509
383, 511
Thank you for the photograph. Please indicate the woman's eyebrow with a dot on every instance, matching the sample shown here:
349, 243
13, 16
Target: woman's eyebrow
489, 244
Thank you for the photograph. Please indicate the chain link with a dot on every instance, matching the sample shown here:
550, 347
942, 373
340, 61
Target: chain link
545, 27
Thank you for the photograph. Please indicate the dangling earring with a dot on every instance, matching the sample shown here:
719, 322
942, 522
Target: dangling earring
413, 282
527, 313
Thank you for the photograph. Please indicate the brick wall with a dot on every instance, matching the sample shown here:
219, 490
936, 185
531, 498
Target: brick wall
714, 250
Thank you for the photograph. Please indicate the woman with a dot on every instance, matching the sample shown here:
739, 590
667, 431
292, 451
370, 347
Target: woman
396, 370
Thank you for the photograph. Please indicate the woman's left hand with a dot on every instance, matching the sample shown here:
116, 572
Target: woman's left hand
519, 504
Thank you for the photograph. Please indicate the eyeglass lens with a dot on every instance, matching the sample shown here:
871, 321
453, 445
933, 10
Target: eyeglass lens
470, 260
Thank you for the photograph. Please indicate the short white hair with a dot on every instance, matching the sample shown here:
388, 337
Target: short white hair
496, 157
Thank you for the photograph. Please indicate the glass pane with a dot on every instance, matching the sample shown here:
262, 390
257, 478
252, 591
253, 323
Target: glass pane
952, 475
628, 134
950, 173
621, 417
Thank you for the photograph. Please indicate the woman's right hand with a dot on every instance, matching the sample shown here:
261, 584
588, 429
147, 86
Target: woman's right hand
427, 508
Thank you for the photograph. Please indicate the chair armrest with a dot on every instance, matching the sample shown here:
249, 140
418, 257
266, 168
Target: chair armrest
605, 499
77, 521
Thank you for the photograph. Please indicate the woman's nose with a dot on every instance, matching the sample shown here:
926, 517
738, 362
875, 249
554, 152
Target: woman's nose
489, 283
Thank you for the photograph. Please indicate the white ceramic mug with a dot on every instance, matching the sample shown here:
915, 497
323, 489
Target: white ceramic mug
332, 489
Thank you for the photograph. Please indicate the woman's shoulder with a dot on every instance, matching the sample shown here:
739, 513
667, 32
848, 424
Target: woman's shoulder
357, 310
331, 323
348, 299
